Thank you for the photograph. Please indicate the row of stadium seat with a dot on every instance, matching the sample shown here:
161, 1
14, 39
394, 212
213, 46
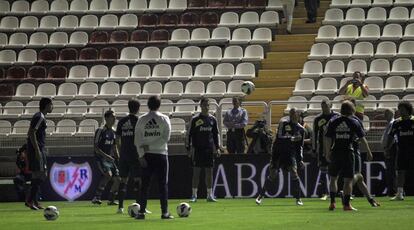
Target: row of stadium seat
150, 54
220, 35
81, 109
68, 127
357, 16
130, 21
113, 90
369, 32
329, 86
141, 72
378, 67
122, 6
370, 3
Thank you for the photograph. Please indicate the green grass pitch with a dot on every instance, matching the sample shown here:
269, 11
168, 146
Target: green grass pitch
237, 214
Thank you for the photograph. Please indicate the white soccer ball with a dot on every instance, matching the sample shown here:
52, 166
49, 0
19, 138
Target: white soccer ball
133, 209
51, 213
183, 210
247, 87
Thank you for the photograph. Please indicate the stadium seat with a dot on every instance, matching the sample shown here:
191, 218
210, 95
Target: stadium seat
388, 105
361, 3
197, 4
88, 54
20, 7
45, 90
379, 67
58, 39
253, 53
140, 72
401, 66
157, 6
220, 35
392, 32
130, 90
161, 72
406, 49
118, 6
5, 128
65, 128
108, 22
87, 90
274, 5
209, 18
179, 37
327, 85
348, 33
7, 57
398, 15
316, 107
223, 71
410, 85
334, 68
403, 3
150, 54
299, 106
57, 72
9, 23
119, 73
69, 22
29, 23
370, 106
199, 36
194, 89
394, 84
173, 90
234, 88
76, 112
15, 72
4, 40
312, 69
148, 20
184, 110
99, 37
49, 23
108, 90
108, 53
119, 36
59, 6
261, 36
151, 88
354, 16
128, 21
88, 22
340, 3
39, 7
24, 91
215, 89
79, 6
20, 128
59, 109
245, 71
370, 32
233, 53
191, 54
27, 57
137, 6
376, 15
177, 5
326, 33
68, 54
212, 54
177, 126
97, 111
241, 36
38, 39
129, 55
341, 50
37, 73
203, 71
333, 16
98, 6
189, 19
236, 4
77, 73
363, 50
382, 3
18, 40
160, 36
78, 39
249, 18
171, 54
4, 7
269, 19
182, 72
375, 84
229, 19
386, 50
98, 73
319, 51
304, 86
67, 91
336, 103
87, 127
9, 113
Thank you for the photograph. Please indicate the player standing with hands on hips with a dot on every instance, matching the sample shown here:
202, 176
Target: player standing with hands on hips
152, 134
202, 146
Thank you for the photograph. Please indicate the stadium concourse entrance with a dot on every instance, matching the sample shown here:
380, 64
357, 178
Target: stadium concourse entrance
235, 176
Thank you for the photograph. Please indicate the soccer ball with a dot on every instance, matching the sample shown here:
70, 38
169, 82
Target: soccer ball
133, 209
183, 210
51, 213
247, 87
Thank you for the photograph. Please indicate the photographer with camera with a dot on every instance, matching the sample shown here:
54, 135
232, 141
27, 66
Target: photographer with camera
355, 89
261, 138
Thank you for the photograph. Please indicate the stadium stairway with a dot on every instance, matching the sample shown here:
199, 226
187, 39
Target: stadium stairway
284, 62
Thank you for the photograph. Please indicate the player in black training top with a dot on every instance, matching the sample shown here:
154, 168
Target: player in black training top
341, 133
202, 146
106, 154
129, 166
287, 154
319, 129
36, 151
403, 131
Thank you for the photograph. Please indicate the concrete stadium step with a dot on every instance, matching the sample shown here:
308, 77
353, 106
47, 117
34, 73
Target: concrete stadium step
280, 78
285, 60
293, 43
269, 94
299, 26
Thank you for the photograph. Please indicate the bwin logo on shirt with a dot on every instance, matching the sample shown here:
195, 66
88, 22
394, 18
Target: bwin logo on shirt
152, 124
343, 127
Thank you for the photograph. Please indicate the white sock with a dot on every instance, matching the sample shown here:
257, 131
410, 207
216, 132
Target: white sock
400, 191
194, 192
209, 192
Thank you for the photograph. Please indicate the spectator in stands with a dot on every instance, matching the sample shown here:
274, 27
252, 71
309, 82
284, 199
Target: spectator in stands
36, 151
389, 153
355, 89
288, 7
312, 10
261, 138
235, 120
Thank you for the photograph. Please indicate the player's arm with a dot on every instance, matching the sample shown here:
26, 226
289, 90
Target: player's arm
366, 145
99, 151
327, 141
342, 90
281, 132
115, 150
138, 139
189, 135
118, 136
315, 134
391, 134
299, 152
365, 90
216, 138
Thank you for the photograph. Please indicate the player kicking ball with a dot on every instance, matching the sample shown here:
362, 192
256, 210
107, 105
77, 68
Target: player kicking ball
286, 154
202, 146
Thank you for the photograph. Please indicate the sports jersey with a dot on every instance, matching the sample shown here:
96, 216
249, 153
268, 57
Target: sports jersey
319, 129
126, 131
153, 129
105, 140
203, 133
38, 123
344, 131
403, 131
284, 143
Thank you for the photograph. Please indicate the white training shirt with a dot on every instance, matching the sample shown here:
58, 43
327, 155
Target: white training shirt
153, 129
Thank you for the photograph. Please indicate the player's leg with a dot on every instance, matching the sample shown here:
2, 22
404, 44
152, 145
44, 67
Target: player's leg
121, 193
106, 177
209, 184
230, 142
146, 179
359, 181
195, 182
113, 192
390, 174
323, 167
333, 171
347, 193
37, 179
271, 179
162, 168
296, 184
400, 185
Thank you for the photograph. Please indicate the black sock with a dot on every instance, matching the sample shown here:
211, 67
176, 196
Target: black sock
121, 194
347, 198
324, 187
263, 190
296, 189
137, 189
34, 189
332, 195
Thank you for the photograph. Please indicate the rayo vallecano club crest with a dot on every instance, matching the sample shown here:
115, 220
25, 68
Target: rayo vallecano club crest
71, 180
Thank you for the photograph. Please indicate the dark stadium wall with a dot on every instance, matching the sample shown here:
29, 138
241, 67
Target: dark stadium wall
236, 176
